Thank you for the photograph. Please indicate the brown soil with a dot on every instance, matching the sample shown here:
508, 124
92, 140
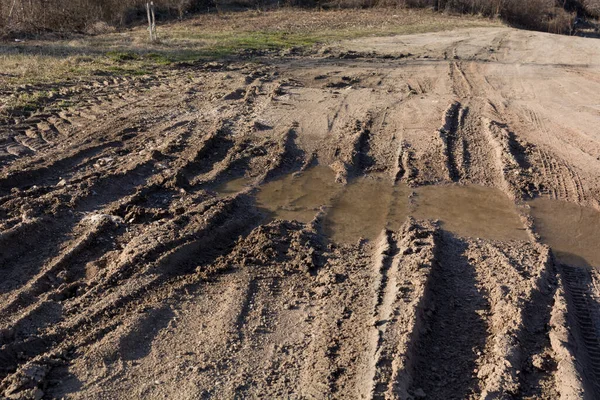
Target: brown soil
137, 264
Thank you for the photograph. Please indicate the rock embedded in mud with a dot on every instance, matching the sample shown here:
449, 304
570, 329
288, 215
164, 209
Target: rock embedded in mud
260, 126
237, 94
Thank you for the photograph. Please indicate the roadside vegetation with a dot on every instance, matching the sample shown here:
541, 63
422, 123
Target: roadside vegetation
92, 16
207, 37
52, 41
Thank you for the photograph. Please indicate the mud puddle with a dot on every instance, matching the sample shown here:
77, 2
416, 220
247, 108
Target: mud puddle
299, 196
364, 208
367, 206
371, 203
233, 186
572, 231
474, 211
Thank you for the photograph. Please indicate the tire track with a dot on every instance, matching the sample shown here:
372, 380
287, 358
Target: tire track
461, 86
400, 309
28, 178
452, 143
584, 305
385, 290
167, 265
54, 274
174, 282
447, 354
509, 165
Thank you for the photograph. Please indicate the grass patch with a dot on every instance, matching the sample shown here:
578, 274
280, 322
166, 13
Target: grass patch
116, 70
209, 37
122, 56
28, 101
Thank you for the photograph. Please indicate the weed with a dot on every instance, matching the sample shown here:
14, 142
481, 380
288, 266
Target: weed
122, 56
27, 101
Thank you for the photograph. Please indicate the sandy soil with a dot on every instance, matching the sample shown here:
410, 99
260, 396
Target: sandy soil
126, 275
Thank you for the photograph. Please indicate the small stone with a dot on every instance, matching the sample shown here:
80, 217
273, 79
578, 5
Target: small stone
260, 126
235, 95
419, 394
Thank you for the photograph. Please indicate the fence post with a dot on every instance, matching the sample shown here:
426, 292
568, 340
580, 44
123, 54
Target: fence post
153, 21
149, 22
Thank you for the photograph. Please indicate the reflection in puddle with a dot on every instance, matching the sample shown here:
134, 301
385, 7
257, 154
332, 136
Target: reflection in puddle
474, 211
362, 210
299, 197
572, 231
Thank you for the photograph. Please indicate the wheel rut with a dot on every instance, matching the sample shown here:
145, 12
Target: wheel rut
457, 328
585, 308
453, 144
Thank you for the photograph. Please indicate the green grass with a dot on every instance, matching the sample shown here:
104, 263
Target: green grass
28, 101
122, 56
208, 37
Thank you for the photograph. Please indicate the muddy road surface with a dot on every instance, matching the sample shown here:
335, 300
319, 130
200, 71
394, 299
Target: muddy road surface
410, 217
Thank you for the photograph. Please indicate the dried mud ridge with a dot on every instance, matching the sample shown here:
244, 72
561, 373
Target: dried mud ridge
126, 275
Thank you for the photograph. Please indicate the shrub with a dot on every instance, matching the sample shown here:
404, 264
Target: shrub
592, 7
35, 16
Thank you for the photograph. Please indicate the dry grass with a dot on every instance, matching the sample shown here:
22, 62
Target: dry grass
208, 37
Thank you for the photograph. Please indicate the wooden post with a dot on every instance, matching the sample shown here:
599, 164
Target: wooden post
153, 21
149, 22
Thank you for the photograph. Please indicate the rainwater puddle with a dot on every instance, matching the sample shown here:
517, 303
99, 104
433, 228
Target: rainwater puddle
371, 203
473, 211
299, 196
233, 186
363, 209
368, 204
572, 231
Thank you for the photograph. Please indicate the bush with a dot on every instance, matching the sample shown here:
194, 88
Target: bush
544, 15
35, 16
592, 7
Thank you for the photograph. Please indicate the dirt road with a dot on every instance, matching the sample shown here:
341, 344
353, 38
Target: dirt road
129, 272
